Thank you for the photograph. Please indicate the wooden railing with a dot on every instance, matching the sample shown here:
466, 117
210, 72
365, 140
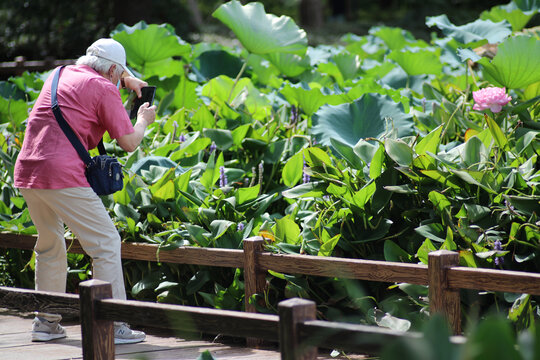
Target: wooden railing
443, 274
20, 65
296, 329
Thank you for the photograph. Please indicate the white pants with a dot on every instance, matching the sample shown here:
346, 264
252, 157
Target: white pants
83, 212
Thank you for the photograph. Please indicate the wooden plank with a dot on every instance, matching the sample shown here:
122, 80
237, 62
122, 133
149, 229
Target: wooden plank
184, 255
345, 268
17, 241
146, 252
442, 298
494, 280
30, 300
21, 65
27, 242
192, 319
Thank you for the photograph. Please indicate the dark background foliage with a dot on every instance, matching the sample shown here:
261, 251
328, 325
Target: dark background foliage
63, 29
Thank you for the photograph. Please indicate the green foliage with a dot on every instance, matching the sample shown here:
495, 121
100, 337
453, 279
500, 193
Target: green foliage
516, 64
491, 339
252, 25
369, 149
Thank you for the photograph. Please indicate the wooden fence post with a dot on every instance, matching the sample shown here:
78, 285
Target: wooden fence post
442, 299
291, 313
254, 278
97, 335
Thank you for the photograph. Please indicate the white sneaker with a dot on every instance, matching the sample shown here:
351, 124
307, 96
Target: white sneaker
46, 327
124, 335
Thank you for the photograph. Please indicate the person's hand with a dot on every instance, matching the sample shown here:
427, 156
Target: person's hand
134, 84
147, 113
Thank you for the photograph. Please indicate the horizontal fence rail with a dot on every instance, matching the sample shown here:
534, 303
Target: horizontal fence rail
494, 280
145, 252
31, 300
345, 268
20, 65
188, 318
443, 274
298, 334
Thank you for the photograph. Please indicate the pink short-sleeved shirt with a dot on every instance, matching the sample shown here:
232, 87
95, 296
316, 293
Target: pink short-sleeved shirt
91, 105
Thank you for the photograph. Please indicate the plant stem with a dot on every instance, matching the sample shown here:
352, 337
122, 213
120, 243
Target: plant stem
240, 73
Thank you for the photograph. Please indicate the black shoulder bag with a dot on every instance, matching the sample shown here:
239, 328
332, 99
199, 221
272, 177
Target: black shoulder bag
103, 172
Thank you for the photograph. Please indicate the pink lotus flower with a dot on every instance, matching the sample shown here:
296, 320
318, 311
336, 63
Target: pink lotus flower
493, 98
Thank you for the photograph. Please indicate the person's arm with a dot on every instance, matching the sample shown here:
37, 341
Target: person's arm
134, 84
145, 116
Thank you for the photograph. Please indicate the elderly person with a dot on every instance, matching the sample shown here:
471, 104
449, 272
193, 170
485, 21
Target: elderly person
51, 176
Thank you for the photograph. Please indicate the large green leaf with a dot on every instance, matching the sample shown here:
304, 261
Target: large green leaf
213, 63
211, 173
223, 90
146, 44
308, 190
392, 252
475, 153
511, 13
219, 227
287, 231
185, 95
348, 65
290, 65
400, 152
221, 137
309, 100
517, 63
371, 116
477, 31
13, 110
262, 33
347, 152
246, 194
497, 133
418, 62
292, 171
430, 142
395, 38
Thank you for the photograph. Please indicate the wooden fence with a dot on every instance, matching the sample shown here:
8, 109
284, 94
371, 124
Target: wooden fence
295, 328
20, 65
443, 274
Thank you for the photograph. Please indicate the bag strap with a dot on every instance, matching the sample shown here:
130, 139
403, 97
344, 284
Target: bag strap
68, 131
101, 147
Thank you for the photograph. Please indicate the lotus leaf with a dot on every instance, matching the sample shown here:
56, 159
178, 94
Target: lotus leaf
290, 65
418, 62
395, 38
517, 63
262, 33
477, 31
511, 13
371, 116
160, 42
213, 63
309, 100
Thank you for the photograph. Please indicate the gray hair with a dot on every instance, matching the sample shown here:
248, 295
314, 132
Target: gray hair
99, 64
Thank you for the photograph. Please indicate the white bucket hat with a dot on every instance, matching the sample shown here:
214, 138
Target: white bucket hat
110, 49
